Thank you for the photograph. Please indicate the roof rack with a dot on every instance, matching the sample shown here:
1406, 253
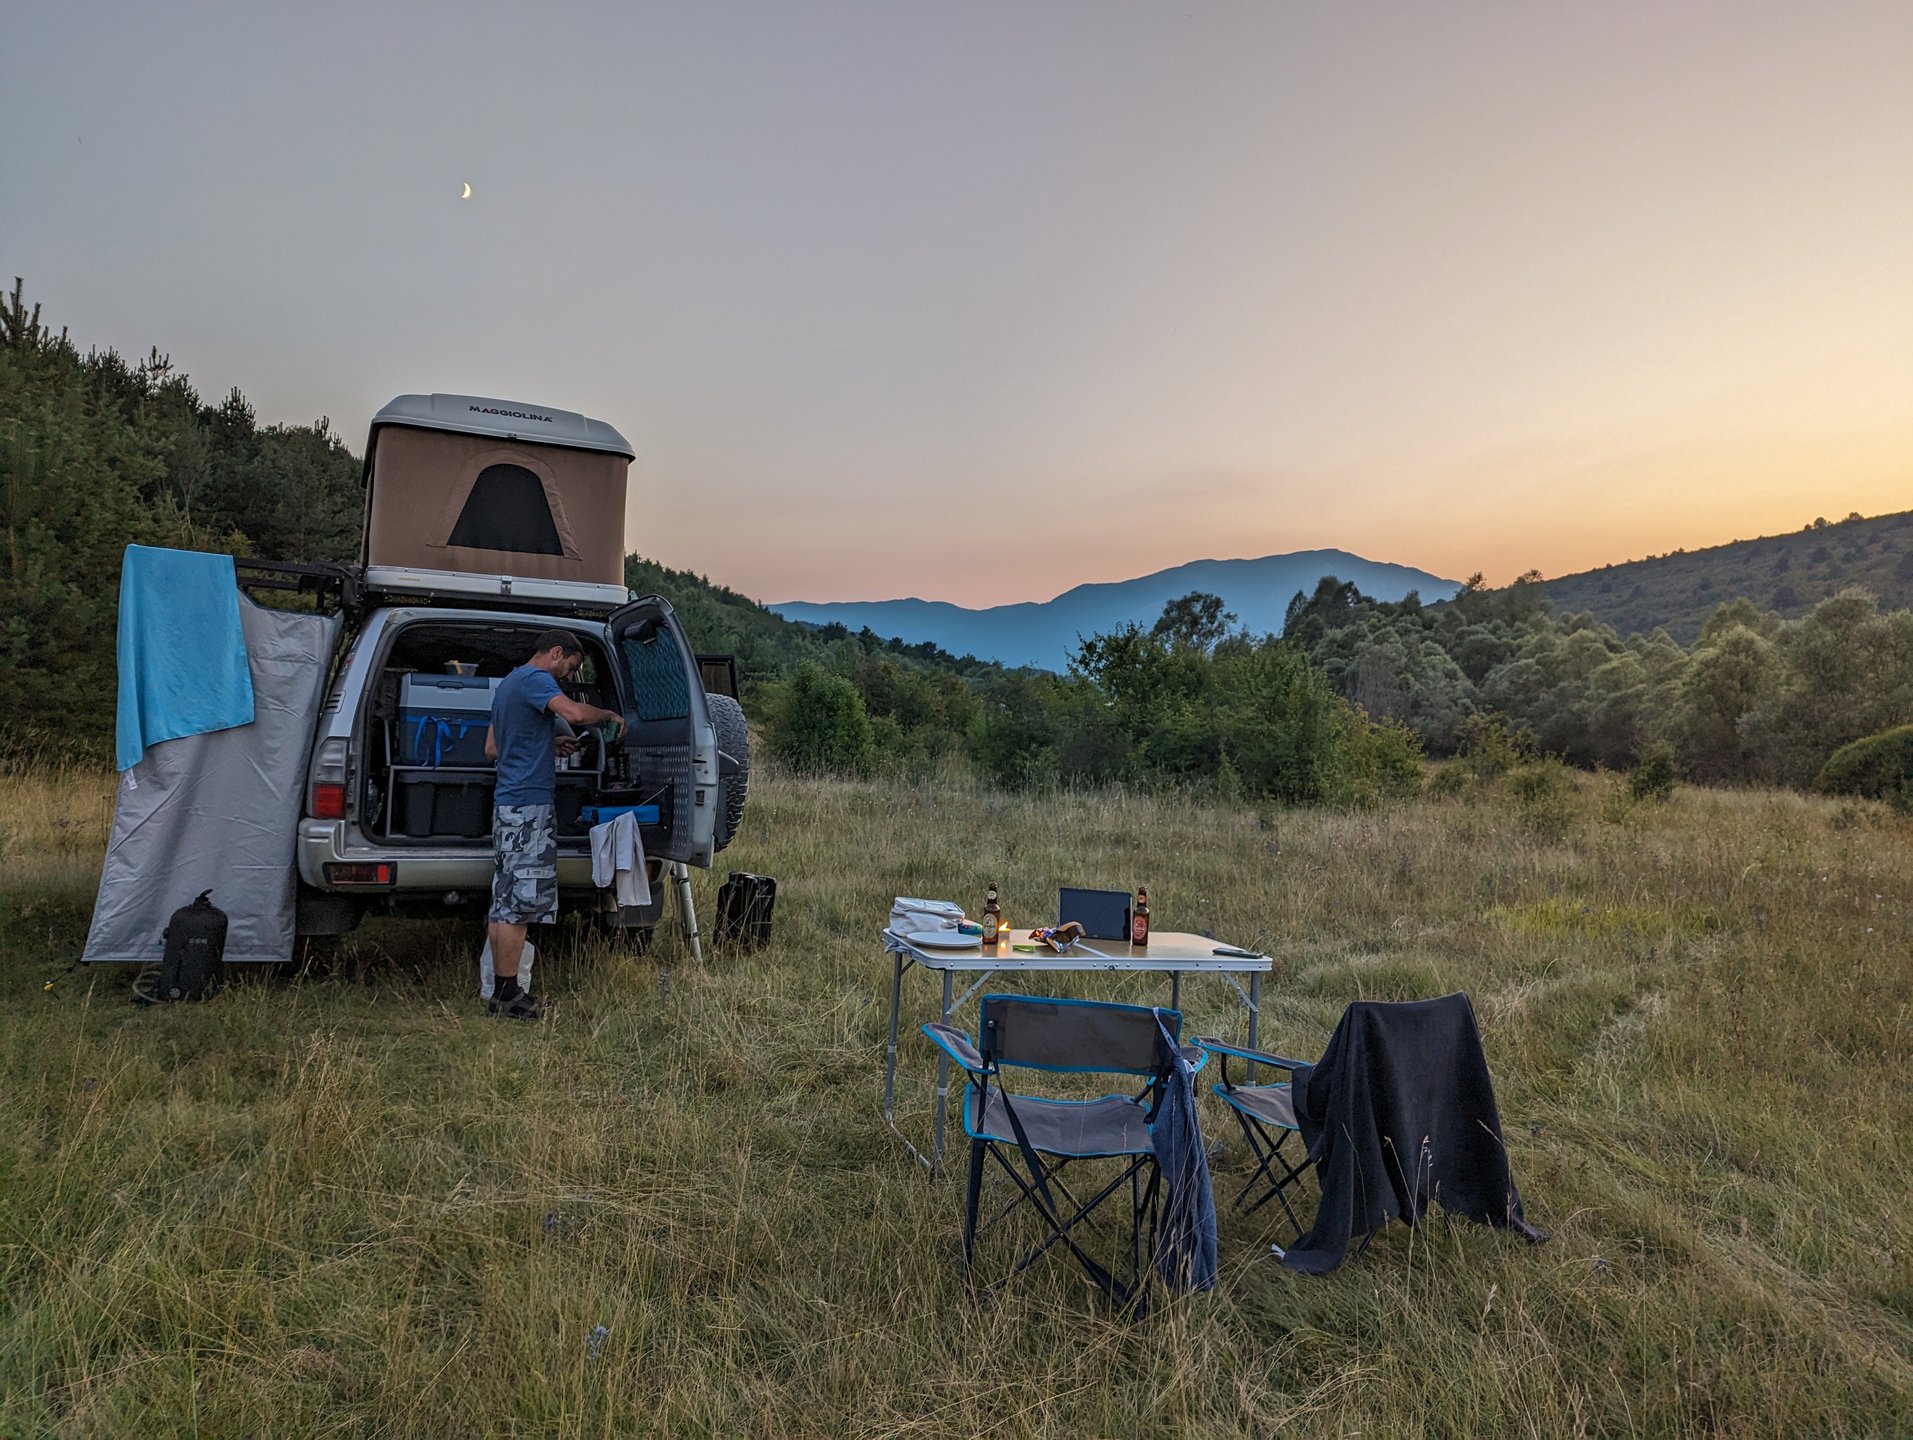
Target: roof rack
468, 590
354, 589
336, 587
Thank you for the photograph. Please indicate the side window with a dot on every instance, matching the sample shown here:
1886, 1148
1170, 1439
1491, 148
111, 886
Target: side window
507, 510
656, 667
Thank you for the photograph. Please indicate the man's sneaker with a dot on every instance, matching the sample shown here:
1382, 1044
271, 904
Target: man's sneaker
511, 1003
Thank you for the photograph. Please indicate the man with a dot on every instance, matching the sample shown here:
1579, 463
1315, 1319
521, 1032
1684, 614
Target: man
522, 741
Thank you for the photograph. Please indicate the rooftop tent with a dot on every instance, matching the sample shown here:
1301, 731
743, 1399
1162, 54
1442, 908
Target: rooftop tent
494, 487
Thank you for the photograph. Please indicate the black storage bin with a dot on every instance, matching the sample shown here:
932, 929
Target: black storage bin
430, 806
463, 808
412, 797
574, 792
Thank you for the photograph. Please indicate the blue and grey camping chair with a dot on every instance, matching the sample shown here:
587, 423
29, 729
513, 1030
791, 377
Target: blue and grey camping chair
1267, 1116
1088, 1037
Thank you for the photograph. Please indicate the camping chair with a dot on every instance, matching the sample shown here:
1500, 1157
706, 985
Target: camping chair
1083, 1037
1267, 1116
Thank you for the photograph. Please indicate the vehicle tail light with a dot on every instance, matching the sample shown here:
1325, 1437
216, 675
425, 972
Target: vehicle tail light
367, 872
325, 793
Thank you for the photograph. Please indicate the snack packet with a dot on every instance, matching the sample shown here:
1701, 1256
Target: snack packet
1058, 937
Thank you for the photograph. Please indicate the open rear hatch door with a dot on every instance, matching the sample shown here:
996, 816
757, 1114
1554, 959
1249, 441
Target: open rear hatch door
669, 741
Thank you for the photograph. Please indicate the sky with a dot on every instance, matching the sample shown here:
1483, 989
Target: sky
979, 301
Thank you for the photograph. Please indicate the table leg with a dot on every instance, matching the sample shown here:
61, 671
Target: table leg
1255, 1015
1175, 989
943, 1080
890, 1050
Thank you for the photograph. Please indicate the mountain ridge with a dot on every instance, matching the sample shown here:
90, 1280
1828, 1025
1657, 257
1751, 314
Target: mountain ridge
1043, 633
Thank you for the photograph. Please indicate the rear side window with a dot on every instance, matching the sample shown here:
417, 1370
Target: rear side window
507, 510
656, 667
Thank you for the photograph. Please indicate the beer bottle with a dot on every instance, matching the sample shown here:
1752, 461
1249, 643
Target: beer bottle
1139, 918
992, 921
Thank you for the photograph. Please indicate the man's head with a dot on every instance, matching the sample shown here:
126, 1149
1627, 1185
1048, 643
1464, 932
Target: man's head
558, 653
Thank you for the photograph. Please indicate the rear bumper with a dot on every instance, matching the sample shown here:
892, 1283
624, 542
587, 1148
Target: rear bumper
418, 869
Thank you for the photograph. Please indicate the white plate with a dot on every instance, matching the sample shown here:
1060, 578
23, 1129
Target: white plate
943, 940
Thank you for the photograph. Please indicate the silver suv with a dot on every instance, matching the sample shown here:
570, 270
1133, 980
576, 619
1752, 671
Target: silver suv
397, 812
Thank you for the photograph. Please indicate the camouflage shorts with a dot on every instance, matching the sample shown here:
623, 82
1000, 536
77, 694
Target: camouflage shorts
525, 872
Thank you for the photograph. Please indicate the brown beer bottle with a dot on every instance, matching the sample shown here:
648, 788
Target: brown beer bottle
992, 920
1139, 918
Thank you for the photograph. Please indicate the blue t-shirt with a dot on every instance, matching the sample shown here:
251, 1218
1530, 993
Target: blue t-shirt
523, 731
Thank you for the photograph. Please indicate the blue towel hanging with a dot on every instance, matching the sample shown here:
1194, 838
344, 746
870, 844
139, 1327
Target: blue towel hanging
182, 661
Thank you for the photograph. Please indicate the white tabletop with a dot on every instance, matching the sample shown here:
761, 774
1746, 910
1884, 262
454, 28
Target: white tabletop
1175, 950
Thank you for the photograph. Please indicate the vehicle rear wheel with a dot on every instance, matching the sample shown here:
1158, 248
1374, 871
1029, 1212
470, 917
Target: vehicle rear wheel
633, 939
314, 955
733, 766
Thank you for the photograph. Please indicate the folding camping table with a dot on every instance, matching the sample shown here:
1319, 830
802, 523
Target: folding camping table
1171, 952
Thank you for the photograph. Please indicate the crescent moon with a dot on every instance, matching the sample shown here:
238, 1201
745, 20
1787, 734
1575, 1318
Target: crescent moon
468, 191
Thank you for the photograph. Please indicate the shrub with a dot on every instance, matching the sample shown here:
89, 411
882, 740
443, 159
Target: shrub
1012, 737
1284, 729
1377, 762
1654, 777
818, 722
1879, 767
1544, 797
1491, 747
897, 751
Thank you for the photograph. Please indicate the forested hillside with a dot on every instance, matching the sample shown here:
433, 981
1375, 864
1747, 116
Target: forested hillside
1786, 574
1755, 697
96, 453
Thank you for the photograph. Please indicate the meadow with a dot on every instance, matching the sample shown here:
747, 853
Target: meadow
346, 1202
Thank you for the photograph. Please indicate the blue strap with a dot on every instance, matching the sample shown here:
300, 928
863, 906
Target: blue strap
441, 732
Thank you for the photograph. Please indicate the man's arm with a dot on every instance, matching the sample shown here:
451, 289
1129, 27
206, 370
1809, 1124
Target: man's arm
491, 745
579, 713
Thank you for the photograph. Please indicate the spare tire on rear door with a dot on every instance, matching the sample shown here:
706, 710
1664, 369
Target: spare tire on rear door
733, 765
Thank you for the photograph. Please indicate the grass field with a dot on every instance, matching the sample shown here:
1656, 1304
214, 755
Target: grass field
350, 1204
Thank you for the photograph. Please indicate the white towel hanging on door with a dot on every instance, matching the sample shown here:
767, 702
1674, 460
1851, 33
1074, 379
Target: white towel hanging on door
617, 860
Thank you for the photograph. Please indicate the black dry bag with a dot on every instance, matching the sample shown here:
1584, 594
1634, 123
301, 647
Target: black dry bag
195, 951
744, 904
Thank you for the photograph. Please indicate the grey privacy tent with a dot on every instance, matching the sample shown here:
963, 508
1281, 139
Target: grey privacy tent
219, 811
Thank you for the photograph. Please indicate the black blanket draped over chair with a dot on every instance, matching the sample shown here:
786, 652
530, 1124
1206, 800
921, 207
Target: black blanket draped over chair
1400, 1110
